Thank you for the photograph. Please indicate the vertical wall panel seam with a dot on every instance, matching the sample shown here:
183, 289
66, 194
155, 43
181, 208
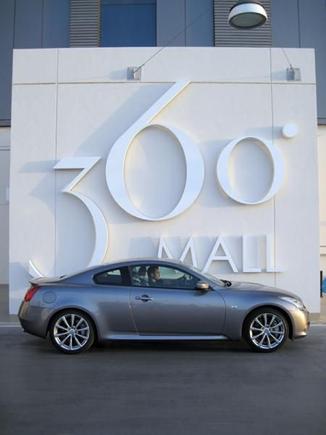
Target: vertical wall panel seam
55, 172
185, 23
100, 29
99, 11
42, 24
212, 23
156, 31
14, 27
12, 60
299, 23
275, 196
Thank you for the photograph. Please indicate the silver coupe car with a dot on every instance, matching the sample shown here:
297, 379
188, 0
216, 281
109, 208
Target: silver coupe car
151, 299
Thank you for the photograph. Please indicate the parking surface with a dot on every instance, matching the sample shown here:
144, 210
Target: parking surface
153, 388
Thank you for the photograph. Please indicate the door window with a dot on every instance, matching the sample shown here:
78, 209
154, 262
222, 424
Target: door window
153, 275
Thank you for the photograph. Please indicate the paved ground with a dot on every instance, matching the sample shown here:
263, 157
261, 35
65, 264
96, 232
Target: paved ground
4, 306
154, 389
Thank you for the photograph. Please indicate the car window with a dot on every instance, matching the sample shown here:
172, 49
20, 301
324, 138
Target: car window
138, 276
113, 277
153, 275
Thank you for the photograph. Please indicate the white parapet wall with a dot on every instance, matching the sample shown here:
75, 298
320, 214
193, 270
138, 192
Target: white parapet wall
211, 158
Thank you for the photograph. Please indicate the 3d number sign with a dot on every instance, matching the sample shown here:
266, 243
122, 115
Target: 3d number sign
195, 173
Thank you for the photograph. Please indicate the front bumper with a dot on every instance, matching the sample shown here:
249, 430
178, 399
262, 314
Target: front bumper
300, 323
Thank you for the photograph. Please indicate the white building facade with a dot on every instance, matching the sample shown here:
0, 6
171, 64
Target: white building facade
210, 157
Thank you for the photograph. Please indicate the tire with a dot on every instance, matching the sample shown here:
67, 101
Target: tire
72, 331
265, 330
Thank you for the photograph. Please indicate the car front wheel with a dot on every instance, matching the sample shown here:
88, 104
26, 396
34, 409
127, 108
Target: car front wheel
265, 330
72, 331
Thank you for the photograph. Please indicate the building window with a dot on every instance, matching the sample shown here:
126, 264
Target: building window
129, 23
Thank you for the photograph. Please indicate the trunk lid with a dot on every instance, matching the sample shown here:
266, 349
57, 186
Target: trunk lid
46, 280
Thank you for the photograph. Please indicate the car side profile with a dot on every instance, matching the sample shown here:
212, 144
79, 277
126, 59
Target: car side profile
155, 299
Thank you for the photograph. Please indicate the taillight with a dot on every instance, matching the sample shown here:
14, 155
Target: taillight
30, 293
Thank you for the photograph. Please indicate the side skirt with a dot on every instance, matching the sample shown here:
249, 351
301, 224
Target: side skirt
167, 337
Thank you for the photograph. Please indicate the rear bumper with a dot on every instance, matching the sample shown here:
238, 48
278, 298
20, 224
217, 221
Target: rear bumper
32, 319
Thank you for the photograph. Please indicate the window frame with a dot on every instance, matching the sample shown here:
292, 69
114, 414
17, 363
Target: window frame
125, 277
166, 266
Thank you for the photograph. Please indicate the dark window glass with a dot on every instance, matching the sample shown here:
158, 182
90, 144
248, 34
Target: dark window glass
128, 24
162, 277
113, 277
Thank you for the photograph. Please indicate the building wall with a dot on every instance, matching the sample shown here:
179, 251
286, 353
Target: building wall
4, 204
76, 103
185, 23
23, 24
45, 23
321, 135
301, 23
28, 24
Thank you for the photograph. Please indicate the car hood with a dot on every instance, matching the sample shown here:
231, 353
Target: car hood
251, 286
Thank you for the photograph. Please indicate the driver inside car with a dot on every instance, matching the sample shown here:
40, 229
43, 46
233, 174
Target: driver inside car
154, 276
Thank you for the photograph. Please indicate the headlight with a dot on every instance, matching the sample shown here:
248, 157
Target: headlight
297, 302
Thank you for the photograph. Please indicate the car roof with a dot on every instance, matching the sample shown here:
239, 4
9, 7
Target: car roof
126, 263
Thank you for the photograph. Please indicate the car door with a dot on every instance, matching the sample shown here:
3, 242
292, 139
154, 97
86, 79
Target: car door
112, 293
171, 305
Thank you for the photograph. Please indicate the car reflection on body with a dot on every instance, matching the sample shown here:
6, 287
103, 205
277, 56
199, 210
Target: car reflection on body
154, 299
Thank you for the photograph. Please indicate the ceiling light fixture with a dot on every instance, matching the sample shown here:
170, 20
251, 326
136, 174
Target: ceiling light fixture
247, 15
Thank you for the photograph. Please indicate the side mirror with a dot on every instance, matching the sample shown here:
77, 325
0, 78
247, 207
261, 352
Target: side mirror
202, 286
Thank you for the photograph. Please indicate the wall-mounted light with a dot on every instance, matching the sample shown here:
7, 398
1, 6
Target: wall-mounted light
293, 74
247, 15
134, 73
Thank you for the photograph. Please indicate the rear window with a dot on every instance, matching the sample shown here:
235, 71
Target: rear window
113, 277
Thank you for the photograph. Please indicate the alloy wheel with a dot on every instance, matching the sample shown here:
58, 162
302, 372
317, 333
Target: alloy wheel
267, 331
71, 332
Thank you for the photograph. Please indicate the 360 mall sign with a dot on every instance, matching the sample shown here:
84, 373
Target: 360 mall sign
195, 171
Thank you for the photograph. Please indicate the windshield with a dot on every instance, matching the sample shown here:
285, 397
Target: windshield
220, 282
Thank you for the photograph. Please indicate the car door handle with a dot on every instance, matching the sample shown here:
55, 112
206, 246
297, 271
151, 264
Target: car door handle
143, 298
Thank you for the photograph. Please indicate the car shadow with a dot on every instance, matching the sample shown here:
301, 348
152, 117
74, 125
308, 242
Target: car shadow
45, 346
172, 346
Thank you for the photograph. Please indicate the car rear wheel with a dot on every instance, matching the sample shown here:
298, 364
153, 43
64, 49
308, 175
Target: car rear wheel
266, 330
72, 331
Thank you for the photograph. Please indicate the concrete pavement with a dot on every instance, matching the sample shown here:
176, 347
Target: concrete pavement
162, 389
5, 317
